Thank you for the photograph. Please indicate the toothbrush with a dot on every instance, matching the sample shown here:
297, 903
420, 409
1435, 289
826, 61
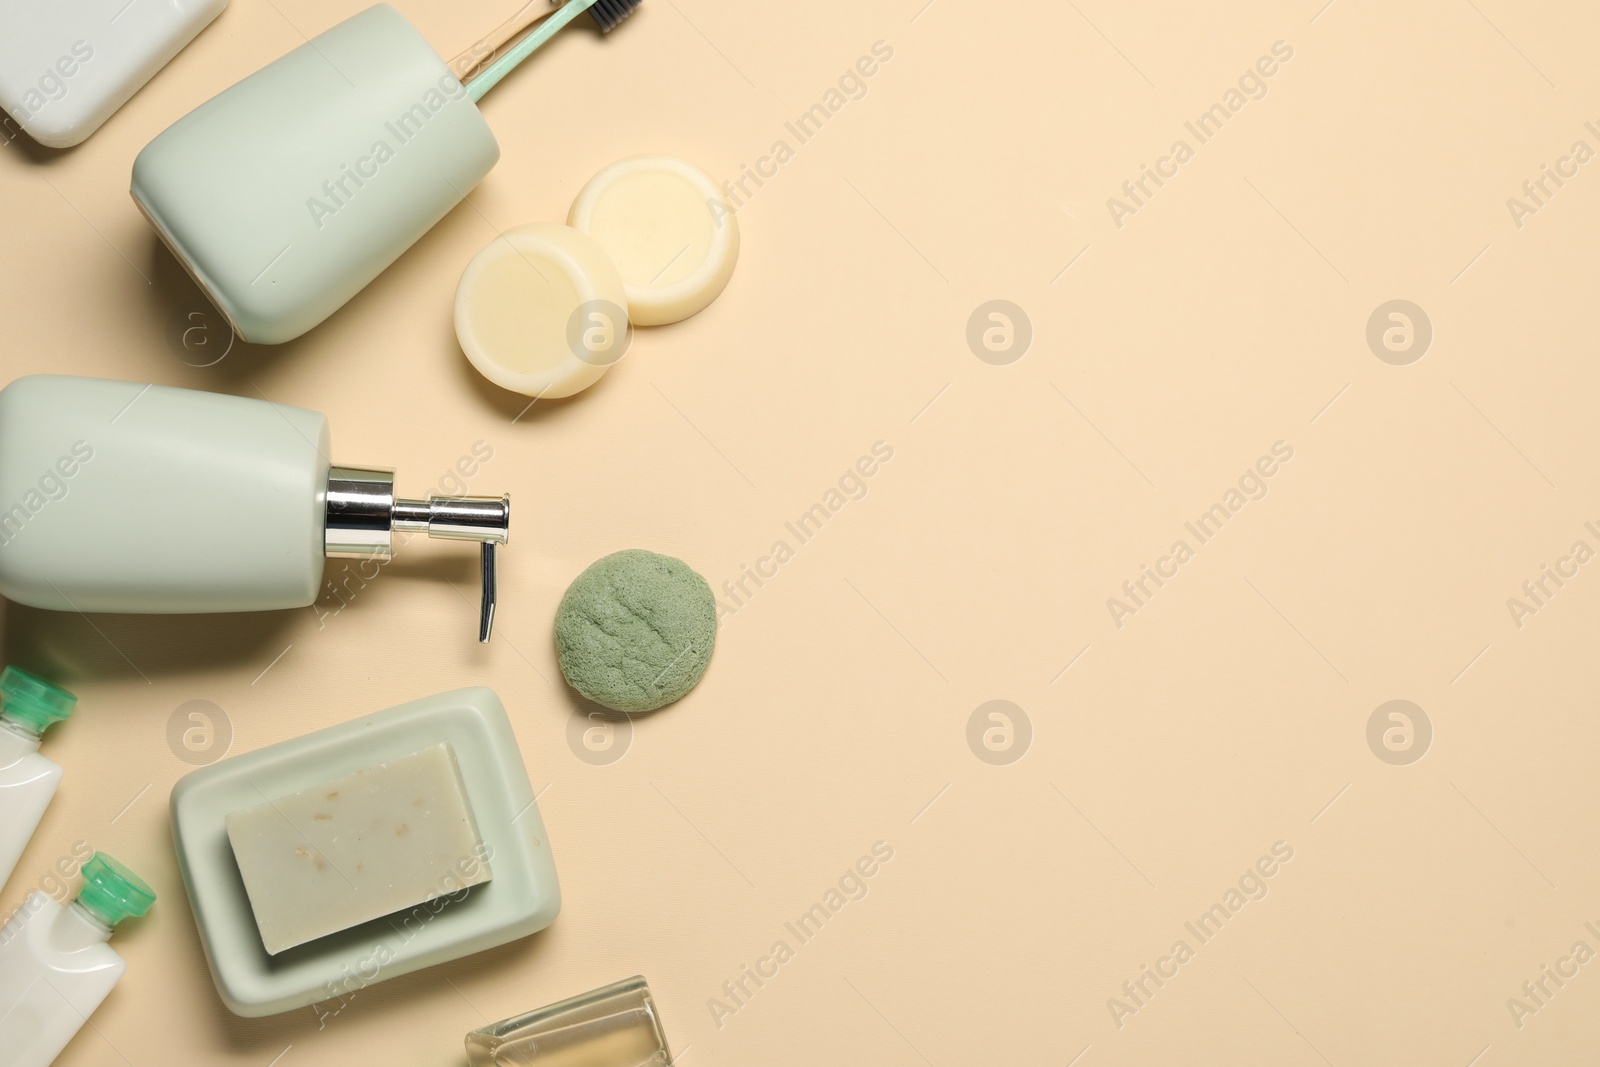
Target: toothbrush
487, 49
479, 77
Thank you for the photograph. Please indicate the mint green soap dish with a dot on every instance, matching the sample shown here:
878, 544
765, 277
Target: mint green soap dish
520, 898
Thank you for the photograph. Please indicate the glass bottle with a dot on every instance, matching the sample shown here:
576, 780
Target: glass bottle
615, 1026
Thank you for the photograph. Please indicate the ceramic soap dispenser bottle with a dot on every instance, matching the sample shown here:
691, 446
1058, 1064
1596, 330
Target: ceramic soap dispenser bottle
145, 499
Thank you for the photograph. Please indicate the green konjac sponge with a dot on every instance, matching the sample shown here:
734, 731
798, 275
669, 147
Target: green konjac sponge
635, 630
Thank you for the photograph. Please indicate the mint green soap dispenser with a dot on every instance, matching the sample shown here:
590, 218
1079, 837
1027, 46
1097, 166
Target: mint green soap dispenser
286, 194
145, 499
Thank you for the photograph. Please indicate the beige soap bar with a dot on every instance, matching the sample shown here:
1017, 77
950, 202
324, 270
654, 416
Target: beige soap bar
542, 311
377, 841
663, 222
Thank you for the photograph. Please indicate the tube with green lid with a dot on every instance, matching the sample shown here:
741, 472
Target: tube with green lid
29, 706
111, 893
55, 965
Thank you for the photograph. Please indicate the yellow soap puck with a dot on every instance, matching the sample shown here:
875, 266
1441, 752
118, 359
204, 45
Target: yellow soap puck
542, 311
664, 224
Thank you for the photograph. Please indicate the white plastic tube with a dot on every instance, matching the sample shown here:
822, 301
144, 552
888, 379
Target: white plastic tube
55, 966
29, 706
28, 782
55, 970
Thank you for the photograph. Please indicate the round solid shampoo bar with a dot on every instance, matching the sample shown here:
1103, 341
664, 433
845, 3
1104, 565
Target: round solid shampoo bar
664, 224
635, 630
542, 311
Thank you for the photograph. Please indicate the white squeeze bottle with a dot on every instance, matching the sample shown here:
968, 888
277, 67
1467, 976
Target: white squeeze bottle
29, 706
55, 965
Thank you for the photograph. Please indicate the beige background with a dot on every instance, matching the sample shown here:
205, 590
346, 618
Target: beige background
1168, 354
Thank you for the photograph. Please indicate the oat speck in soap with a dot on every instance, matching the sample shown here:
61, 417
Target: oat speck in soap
371, 843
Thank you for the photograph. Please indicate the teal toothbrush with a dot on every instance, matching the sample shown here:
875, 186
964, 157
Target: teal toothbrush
480, 76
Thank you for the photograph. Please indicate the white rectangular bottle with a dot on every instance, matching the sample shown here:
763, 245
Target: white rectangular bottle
55, 966
29, 705
65, 67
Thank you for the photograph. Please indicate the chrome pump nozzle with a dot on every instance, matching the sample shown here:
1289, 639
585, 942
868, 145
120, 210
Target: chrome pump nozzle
363, 514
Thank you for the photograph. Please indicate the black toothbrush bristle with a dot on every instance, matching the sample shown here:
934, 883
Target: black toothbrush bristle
608, 13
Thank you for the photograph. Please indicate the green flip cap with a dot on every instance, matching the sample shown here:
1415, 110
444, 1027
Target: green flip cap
33, 702
113, 893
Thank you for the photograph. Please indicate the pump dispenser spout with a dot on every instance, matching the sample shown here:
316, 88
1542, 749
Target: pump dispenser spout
363, 515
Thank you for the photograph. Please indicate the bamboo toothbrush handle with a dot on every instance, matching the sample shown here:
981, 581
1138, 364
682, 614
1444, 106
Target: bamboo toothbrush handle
486, 48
